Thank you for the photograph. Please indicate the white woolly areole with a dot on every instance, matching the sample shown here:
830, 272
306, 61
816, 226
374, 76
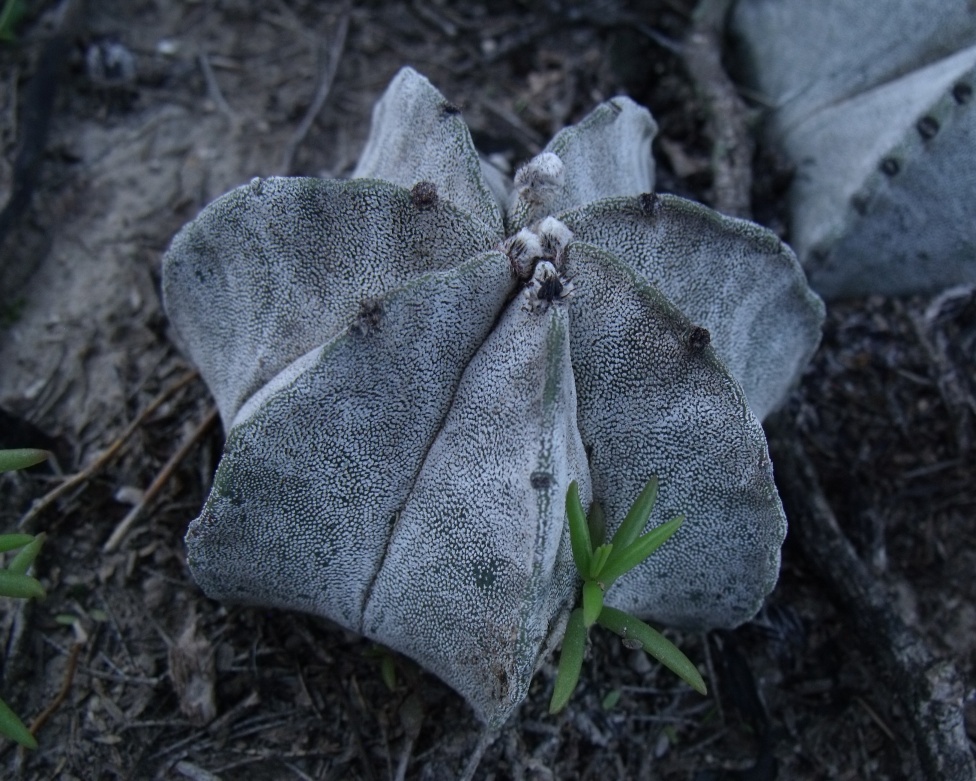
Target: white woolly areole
524, 245
541, 172
554, 236
522, 249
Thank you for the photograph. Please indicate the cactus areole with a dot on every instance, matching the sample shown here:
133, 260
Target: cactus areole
413, 365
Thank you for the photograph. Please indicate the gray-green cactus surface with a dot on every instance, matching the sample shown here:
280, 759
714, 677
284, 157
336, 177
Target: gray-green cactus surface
873, 104
413, 365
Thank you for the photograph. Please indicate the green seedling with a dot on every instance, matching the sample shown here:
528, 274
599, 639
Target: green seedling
15, 582
21, 458
599, 564
387, 662
11, 13
610, 699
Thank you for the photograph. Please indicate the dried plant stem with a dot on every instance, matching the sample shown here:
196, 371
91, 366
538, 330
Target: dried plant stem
161, 479
487, 737
335, 49
104, 458
728, 118
929, 688
62, 695
214, 92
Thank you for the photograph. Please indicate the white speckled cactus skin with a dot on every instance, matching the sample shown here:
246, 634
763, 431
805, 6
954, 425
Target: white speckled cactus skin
873, 103
411, 372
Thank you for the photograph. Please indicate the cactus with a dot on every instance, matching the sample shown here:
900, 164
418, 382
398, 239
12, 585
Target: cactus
413, 365
873, 104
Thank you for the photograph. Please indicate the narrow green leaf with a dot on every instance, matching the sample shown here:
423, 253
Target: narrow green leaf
637, 516
388, 672
592, 602
597, 523
621, 561
13, 11
570, 662
599, 560
14, 728
21, 458
15, 584
13, 541
579, 532
611, 699
656, 644
20, 563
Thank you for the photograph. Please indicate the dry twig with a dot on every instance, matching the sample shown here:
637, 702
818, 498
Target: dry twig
104, 458
412, 720
485, 739
38, 107
161, 479
946, 332
929, 688
335, 49
214, 92
62, 695
727, 123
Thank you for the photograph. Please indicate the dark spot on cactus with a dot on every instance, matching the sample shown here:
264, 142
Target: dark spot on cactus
484, 576
927, 127
890, 166
550, 289
501, 680
649, 204
617, 109
962, 93
424, 195
450, 109
860, 203
699, 339
547, 286
368, 318
540, 480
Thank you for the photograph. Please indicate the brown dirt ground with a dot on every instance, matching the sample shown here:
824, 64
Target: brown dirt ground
216, 91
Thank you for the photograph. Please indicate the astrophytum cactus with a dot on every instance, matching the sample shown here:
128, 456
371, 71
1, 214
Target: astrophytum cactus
873, 104
411, 374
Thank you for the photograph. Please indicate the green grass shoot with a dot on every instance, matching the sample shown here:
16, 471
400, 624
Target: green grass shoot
599, 567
